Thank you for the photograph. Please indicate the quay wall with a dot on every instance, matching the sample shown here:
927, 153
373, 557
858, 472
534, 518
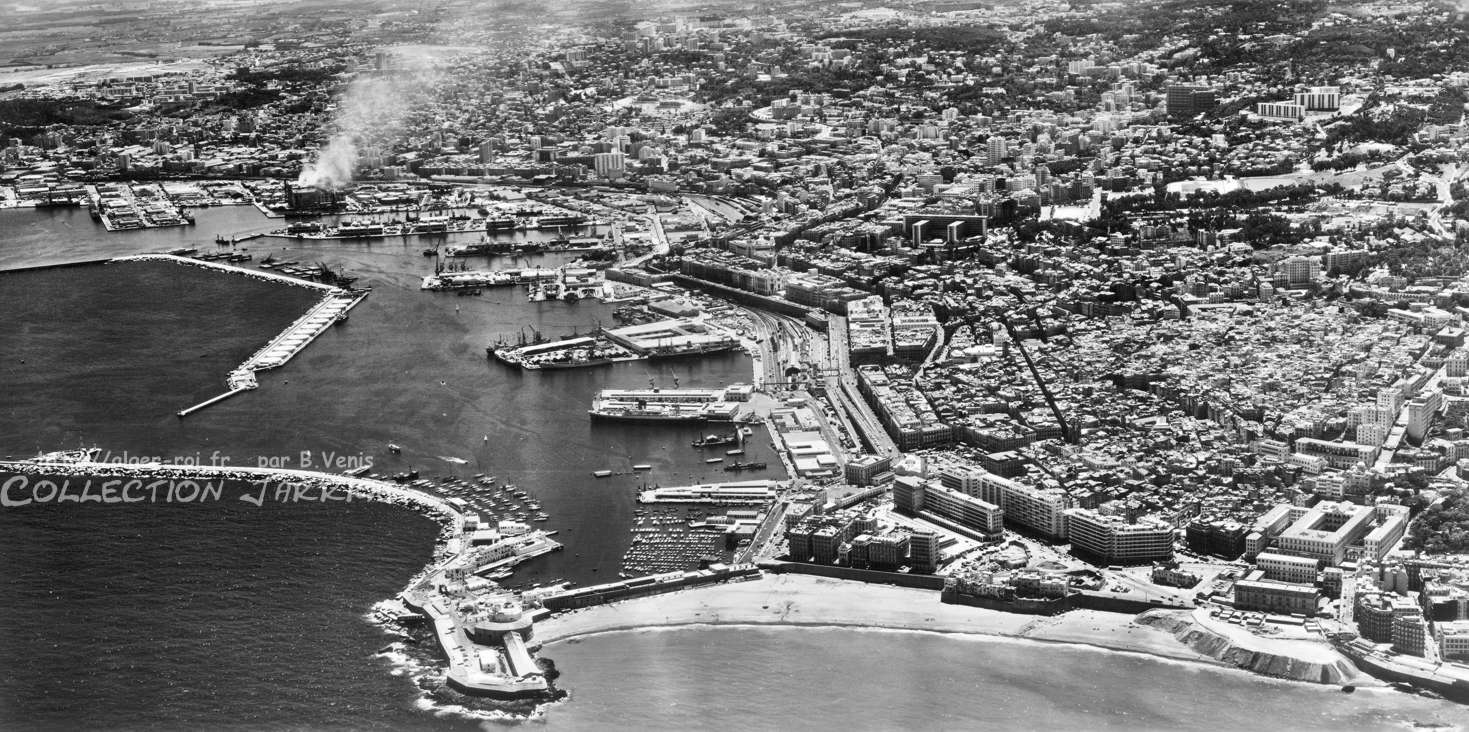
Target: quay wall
587, 597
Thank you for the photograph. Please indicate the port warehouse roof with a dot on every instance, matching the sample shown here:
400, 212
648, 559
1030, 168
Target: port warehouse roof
532, 350
757, 491
642, 338
667, 333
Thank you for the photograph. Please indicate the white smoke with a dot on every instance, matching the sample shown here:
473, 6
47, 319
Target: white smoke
370, 112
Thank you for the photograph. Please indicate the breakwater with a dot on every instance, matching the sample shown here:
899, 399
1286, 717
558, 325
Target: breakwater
322, 483
232, 269
331, 309
52, 478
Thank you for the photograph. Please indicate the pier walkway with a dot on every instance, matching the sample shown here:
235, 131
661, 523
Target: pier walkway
330, 310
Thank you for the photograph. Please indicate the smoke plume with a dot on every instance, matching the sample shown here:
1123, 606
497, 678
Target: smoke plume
370, 112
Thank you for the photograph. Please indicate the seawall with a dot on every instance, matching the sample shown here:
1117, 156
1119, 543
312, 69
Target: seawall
59, 265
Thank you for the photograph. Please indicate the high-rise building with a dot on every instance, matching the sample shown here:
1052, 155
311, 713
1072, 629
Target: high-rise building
923, 551
609, 164
1280, 110
1409, 634
1320, 98
1218, 538
1297, 271
1453, 640
1115, 541
914, 495
1187, 101
888, 551
1421, 411
997, 149
909, 493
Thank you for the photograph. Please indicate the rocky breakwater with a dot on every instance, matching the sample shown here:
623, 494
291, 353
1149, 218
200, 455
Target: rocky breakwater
1294, 659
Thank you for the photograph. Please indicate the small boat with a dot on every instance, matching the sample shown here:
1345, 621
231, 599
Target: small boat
734, 452
715, 460
394, 448
642, 466
601, 473
714, 441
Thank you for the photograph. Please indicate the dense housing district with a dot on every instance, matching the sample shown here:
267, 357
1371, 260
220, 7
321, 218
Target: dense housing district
1060, 305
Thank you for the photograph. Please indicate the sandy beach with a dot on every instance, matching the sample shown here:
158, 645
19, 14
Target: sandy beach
795, 599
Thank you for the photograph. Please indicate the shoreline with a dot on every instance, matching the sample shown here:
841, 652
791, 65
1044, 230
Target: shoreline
845, 605
1183, 657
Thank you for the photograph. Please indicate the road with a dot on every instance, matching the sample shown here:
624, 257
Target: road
660, 239
1400, 427
843, 393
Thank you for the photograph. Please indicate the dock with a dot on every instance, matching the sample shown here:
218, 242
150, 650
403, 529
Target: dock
291, 341
331, 309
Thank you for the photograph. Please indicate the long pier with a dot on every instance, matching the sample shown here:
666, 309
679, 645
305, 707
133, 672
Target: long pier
210, 402
330, 310
291, 341
257, 274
